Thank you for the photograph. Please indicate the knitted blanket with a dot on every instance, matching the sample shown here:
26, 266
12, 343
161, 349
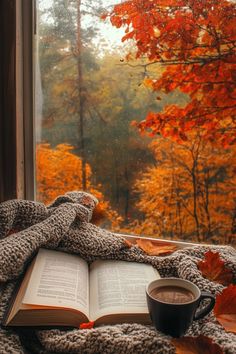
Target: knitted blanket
65, 225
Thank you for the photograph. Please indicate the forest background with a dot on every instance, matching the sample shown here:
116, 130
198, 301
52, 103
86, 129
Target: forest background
135, 103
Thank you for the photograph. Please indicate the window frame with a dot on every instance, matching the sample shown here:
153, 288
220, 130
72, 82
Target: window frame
28, 23
8, 165
16, 100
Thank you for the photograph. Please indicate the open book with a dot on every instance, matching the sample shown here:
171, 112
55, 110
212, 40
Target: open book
60, 289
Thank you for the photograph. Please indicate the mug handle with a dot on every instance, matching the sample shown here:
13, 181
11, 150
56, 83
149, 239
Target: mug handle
207, 308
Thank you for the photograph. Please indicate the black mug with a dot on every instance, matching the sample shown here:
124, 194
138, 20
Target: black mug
174, 318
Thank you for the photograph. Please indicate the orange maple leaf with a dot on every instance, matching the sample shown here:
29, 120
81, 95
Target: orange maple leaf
156, 248
196, 345
213, 268
225, 308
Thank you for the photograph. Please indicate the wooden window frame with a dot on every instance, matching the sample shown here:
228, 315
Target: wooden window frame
7, 100
16, 100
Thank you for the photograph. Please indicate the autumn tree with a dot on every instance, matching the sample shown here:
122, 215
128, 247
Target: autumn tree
65, 48
114, 96
194, 40
90, 98
116, 152
59, 170
189, 193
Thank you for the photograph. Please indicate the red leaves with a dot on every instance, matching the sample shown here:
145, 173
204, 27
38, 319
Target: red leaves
156, 248
116, 21
168, 32
87, 325
196, 345
12, 231
213, 268
225, 308
104, 16
129, 35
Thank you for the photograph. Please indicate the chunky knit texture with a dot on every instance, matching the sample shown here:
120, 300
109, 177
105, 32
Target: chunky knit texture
65, 225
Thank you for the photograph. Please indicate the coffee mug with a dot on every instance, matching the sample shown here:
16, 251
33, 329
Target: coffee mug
172, 304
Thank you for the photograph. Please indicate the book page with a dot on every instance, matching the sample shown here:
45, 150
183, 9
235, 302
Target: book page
59, 279
119, 287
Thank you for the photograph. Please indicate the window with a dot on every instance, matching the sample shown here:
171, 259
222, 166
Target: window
99, 68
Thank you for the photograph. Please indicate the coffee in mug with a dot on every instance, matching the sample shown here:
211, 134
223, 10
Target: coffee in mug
172, 294
173, 302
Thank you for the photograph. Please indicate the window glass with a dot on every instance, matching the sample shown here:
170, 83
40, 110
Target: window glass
135, 103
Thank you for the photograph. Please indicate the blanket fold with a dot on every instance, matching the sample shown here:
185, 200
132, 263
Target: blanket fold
26, 226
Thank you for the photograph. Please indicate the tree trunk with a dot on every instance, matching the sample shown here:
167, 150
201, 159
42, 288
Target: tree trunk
195, 214
233, 228
127, 194
81, 95
206, 185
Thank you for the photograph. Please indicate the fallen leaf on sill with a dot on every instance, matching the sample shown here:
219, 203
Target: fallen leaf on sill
213, 268
225, 308
128, 244
156, 248
196, 345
